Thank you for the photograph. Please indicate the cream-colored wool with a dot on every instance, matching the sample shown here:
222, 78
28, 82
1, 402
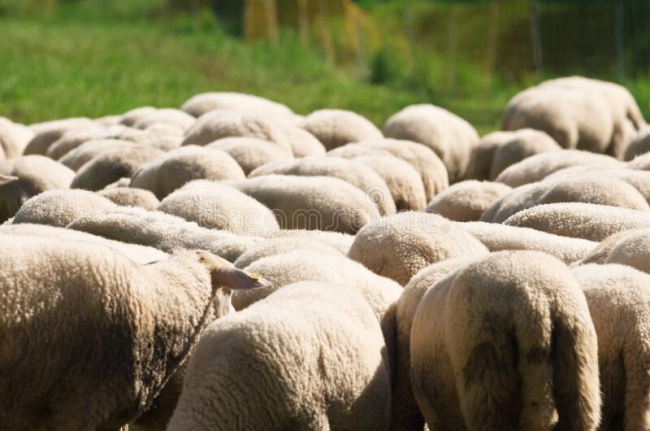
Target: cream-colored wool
108, 120
76, 137
631, 248
131, 197
28, 176
640, 145
206, 102
251, 153
162, 231
47, 133
467, 200
498, 237
85, 152
170, 116
350, 171
335, 127
322, 203
451, 137
291, 346
217, 206
538, 167
176, 168
131, 117
580, 220
506, 343
126, 328
480, 160
405, 413
13, 138
137, 253
281, 245
303, 143
337, 240
619, 302
399, 246
109, 166
61, 207
221, 124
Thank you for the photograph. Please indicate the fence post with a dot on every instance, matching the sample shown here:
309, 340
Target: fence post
536, 34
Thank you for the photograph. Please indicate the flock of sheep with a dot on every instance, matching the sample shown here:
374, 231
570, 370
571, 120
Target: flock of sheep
233, 266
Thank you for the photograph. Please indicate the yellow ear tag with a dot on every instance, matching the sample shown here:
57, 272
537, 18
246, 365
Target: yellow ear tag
254, 276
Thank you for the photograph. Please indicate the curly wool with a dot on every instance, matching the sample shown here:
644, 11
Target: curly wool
85, 152
131, 197
336, 127
252, 153
281, 245
48, 132
467, 200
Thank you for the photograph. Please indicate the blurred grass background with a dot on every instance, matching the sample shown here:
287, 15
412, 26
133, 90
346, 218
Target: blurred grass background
62, 58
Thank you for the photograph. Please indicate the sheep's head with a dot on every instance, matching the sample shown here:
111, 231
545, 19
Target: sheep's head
7, 179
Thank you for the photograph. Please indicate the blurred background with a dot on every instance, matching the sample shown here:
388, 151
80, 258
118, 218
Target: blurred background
62, 58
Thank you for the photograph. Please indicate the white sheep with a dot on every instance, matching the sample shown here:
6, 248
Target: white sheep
129, 118
203, 103
176, 168
506, 342
451, 137
281, 245
399, 246
467, 200
85, 152
619, 302
337, 127
126, 328
48, 132
13, 138
170, 116
76, 137
337, 240
285, 343
131, 197
303, 143
640, 145
251, 153
630, 247
218, 206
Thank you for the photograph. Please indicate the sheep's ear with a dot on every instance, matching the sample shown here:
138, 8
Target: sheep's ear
7, 179
224, 274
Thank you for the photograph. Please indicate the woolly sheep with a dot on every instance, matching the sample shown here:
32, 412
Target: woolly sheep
161, 231
337, 127
619, 301
171, 116
580, 220
220, 124
108, 120
171, 171
467, 200
322, 203
352, 172
537, 167
275, 246
631, 248
506, 342
640, 145
498, 237
131, 117
203, 103
13, 138
217, 206
482, 155
85, 152
405, 413
61, 207
448, 135
132, 197
251, 153
316, 325
125, 327
303, 143
76, 137
399, 246
47, 133
640, 163
110, 166
337, 240
28, 176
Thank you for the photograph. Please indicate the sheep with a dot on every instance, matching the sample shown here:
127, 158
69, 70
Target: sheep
303, 143
322, 203
251, 153
399, 246
587, 189
496, 151
221, 124
109, 120
203, 103
131, 117
285, 342
76, 137
137, 253
630, 247
171, 116
618, 299
28, 176
580, 220
217, 206
13, 138
337, 240
405, 413
47, 133
280, 245
467, 200
61, 207
498, 237
109, 166
347, 170
538, 167
85, 152
337, 127
174, 169
503, 343
161, 231
90, 349
130, 196
640, 163
639, 146
448, 135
